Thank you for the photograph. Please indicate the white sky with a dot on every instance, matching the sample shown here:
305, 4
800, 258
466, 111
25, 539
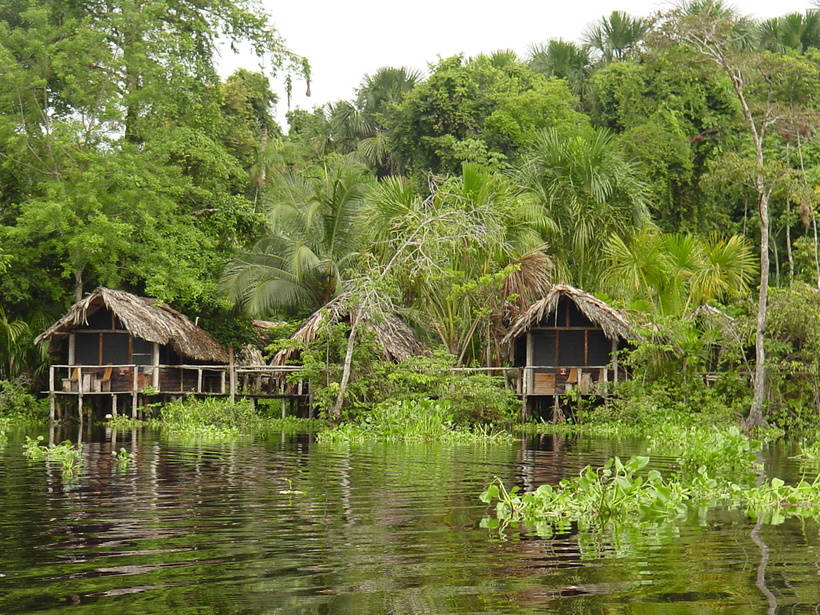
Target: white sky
346, 39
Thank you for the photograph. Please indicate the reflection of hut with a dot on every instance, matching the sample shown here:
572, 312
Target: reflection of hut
113, 341
395, 337
567, 339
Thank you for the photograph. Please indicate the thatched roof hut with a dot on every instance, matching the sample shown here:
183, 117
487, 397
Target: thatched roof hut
143, 318
613, 322
395, 337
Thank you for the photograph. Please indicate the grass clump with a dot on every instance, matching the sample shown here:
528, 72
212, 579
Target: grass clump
412, 420
67, 454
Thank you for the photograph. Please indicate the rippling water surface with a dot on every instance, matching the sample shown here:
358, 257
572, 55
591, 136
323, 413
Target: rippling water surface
377, 529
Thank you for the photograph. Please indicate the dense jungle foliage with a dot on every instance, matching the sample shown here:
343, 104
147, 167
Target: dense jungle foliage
656, 163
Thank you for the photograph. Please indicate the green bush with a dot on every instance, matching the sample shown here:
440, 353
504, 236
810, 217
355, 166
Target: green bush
793, 358
474, 398
17, 403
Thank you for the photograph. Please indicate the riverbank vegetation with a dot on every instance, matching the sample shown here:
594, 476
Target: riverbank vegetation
666, 163
218, 420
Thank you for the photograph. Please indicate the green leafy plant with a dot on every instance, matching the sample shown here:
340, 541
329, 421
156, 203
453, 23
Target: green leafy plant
419, 420
123, 458
69, 455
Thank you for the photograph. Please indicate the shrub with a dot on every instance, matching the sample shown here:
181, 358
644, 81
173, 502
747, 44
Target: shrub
16, 402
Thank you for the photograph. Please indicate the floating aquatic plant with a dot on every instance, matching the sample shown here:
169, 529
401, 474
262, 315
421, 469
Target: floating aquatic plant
68, 454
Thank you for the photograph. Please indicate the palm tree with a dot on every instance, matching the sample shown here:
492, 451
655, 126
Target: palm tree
797, 31
588, 190
562, 59
676, 272
311, 243
616, 37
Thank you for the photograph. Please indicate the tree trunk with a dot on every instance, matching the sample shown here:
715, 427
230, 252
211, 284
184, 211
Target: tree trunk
789, 242
336, 410
756, 411
78, 284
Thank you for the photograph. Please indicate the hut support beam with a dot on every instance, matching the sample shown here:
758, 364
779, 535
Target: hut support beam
52, 398
114, 406
232, 368
155, 363
615, 359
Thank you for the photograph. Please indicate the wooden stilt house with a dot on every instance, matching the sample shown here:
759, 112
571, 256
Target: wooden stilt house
113, 342
567, 339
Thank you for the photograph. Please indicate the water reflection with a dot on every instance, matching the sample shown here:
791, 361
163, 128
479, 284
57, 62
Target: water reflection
379, 529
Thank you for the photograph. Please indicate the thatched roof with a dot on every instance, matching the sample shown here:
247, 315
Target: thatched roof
613, 322
143, 318
396, 338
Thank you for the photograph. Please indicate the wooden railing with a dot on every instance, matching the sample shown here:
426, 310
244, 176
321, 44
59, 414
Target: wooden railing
263, 380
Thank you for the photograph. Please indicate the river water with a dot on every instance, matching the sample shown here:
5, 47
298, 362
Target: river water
376, 529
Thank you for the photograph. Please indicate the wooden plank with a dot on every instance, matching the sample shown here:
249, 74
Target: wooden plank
100, 348
586, 347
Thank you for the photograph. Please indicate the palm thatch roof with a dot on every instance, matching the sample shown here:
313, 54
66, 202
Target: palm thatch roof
395, 337
613, 322
143, 318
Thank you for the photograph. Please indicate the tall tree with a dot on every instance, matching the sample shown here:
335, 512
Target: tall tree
588, 189
310, 246
720, 36
616, 37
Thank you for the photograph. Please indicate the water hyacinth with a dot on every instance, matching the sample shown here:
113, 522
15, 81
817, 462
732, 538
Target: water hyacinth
67, 454
616, 494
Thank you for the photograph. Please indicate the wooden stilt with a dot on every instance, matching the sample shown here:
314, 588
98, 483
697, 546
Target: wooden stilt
80, 407
114, 406
134, 405
52, 397
232, 374
283, 407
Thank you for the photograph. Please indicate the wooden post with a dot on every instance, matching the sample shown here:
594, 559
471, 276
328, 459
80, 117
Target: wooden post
283, 407
155, 364
222, 382
199, 380
134, 392
232, 374
113, 405
72, 348
52, 400
615, 358
80, 407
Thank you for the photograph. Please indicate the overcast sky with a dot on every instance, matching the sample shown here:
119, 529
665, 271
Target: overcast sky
346, 39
